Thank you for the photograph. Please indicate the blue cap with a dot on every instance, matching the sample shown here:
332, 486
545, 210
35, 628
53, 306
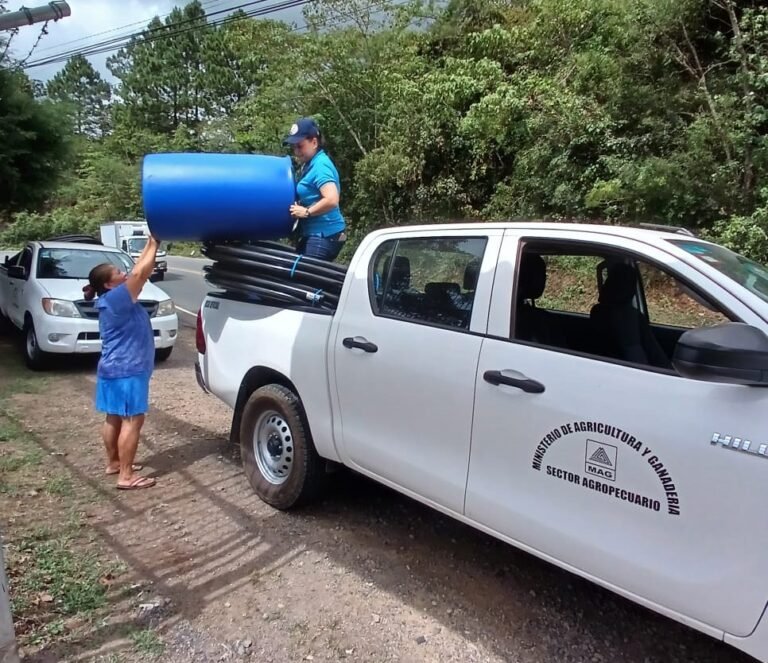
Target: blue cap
304, 127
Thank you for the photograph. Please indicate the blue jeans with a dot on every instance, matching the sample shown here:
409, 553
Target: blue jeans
322, 248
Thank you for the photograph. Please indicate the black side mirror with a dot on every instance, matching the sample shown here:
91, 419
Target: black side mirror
17, 272
733, 352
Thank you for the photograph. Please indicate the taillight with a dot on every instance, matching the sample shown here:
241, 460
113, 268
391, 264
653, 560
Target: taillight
199, 335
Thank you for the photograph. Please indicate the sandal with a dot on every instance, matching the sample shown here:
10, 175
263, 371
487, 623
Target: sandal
137, 467
137, 483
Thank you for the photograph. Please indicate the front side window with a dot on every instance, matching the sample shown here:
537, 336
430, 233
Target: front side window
429, 280
76, 263
603, 302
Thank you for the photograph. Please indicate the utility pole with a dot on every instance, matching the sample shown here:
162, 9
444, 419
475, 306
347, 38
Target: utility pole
53, 11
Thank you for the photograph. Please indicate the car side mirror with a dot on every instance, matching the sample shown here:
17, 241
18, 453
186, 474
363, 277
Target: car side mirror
732, 352
17, 272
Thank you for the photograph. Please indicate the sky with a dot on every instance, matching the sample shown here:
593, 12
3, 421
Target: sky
91, 17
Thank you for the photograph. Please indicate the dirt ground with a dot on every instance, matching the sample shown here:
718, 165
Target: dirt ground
204, 571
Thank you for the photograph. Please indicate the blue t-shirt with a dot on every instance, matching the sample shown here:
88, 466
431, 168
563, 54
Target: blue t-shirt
127, 339
318, 172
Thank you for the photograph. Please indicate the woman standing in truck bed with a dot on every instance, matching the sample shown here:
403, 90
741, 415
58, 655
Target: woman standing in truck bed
320, 222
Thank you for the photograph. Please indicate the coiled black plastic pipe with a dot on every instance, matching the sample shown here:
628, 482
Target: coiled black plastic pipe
274, 274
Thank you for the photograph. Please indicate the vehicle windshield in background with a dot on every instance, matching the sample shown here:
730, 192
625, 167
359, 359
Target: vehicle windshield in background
76, 263
752, 275
137, 244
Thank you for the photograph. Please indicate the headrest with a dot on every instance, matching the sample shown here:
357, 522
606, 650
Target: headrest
401, 272
438, 288
533, 277
620, 285
471, 275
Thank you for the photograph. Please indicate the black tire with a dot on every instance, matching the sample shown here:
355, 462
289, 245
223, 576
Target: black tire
160, 276
35, 358
6, 326
162, 354
295, 474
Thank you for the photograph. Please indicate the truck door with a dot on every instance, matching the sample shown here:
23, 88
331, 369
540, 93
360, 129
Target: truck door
615, 466
403, 359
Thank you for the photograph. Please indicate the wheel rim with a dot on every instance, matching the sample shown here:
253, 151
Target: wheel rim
31, 342
273, 447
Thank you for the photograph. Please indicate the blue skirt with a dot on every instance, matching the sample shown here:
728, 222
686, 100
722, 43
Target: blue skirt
123, 397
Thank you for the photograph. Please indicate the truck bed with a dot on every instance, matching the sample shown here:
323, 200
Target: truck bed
235, 353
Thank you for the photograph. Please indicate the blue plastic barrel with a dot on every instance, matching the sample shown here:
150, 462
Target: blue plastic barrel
218, 197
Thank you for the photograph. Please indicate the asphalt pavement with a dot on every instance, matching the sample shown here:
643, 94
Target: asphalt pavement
185, 284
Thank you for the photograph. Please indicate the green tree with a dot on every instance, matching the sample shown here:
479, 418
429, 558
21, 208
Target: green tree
162, 73
80, 87
33, 145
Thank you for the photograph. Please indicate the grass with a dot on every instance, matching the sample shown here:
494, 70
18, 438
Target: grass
58, 579
147, 642
18, 452
51, 579
188, 249
60, 486
18, 461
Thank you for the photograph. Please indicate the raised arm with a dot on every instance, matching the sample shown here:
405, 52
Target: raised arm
143, 268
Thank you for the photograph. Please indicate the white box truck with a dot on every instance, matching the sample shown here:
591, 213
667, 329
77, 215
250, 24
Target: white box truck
132, 237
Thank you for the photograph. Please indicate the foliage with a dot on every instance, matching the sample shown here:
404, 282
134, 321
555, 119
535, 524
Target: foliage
652, 110
33, 145
80, 88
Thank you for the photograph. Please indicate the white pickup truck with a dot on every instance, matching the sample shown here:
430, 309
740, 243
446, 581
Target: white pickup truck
594, 395
41, 293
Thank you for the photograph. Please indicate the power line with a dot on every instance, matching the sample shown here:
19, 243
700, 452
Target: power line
165, 31
117, 29
43, 32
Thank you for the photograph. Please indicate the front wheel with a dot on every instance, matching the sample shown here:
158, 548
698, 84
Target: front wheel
162, 354
6, 327
279, 457
35, 358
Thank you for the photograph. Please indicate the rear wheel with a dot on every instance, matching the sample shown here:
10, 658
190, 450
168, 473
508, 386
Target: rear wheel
279, 457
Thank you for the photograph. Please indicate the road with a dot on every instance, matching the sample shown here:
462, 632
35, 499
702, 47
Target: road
185, 284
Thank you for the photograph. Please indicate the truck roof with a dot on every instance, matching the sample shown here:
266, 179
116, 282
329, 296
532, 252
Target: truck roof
649, 231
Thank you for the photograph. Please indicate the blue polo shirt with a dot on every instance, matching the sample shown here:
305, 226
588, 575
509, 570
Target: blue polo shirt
318, 172
127, 339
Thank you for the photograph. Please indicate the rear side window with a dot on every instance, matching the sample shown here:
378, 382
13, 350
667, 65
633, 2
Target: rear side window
427, 280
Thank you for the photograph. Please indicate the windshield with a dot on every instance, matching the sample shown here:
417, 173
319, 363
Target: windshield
748, 273
76, 263
137, 244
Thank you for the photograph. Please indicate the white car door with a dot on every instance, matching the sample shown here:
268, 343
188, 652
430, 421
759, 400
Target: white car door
608, 465
404, 357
